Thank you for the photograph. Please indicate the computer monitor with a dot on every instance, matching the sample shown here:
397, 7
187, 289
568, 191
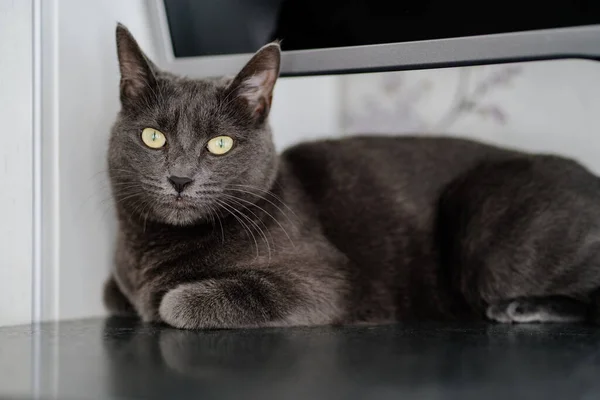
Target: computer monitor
204, 38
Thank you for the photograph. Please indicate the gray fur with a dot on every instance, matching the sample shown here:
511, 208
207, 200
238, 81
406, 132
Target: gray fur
362, 230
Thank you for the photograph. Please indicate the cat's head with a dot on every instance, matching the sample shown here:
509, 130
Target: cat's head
182, 149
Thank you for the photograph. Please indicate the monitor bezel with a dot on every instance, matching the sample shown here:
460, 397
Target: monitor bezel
573, 42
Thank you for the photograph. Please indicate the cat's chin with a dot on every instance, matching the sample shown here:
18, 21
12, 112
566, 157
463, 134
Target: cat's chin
181, 217
180, 212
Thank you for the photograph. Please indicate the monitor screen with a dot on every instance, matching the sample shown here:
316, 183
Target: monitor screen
226, 27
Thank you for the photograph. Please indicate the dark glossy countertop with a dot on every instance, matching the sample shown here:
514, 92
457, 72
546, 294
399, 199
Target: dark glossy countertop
121, 358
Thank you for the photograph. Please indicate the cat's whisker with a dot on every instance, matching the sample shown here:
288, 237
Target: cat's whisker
212, 184
210, 215
232, 211
139, 208
254, 225
149, 207
127, 190
247, 227
119, 200
216, 214
221, 225
236, 200
119, 184
266, 192
120, 173
266, 212
265, 199
235, 214
110, 203
202, 192
110, 169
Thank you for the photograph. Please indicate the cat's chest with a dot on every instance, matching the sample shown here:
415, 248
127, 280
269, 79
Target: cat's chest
180, 259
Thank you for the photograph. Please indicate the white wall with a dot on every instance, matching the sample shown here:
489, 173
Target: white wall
305, 108
16, 157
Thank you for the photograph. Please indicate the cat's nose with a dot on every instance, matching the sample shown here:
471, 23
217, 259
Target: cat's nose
179, 182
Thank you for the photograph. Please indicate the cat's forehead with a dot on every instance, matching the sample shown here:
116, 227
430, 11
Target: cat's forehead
186, 94
185, 104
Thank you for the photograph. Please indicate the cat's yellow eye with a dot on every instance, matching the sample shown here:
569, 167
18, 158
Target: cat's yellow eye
153, 138
220, 145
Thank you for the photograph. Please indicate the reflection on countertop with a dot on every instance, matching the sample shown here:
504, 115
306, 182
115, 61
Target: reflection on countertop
125, 358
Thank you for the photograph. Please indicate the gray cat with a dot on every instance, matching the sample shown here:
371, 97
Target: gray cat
216, 230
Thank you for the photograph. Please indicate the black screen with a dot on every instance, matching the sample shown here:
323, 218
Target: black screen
213, 27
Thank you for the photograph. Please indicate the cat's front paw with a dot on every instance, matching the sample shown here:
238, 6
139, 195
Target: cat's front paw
188, 306
218, 303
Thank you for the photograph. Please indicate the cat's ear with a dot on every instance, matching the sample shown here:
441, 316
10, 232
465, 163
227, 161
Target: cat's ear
255, 82
137, 71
